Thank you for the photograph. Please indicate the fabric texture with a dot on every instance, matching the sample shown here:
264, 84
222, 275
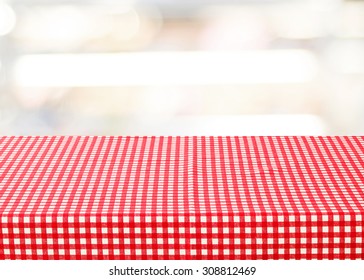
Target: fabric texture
247, 198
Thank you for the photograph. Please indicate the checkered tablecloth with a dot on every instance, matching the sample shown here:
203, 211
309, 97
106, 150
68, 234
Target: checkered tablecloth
181, 197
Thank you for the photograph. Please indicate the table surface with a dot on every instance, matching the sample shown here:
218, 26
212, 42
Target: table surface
89, 175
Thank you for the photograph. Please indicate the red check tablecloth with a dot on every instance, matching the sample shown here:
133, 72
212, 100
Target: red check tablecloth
181, 197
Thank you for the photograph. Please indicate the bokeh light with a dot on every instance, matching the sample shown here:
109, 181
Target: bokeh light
7, 18
158, 67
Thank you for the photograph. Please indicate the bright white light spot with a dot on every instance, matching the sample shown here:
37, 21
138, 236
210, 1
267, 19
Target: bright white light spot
166, 68
7, 19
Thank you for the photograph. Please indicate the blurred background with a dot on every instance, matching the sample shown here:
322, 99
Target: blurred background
172, 67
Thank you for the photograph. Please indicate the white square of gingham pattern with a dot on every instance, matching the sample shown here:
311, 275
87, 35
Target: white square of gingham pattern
183, 237
259, 178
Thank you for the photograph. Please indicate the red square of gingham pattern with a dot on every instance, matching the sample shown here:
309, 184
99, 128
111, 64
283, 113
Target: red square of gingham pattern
181, 197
